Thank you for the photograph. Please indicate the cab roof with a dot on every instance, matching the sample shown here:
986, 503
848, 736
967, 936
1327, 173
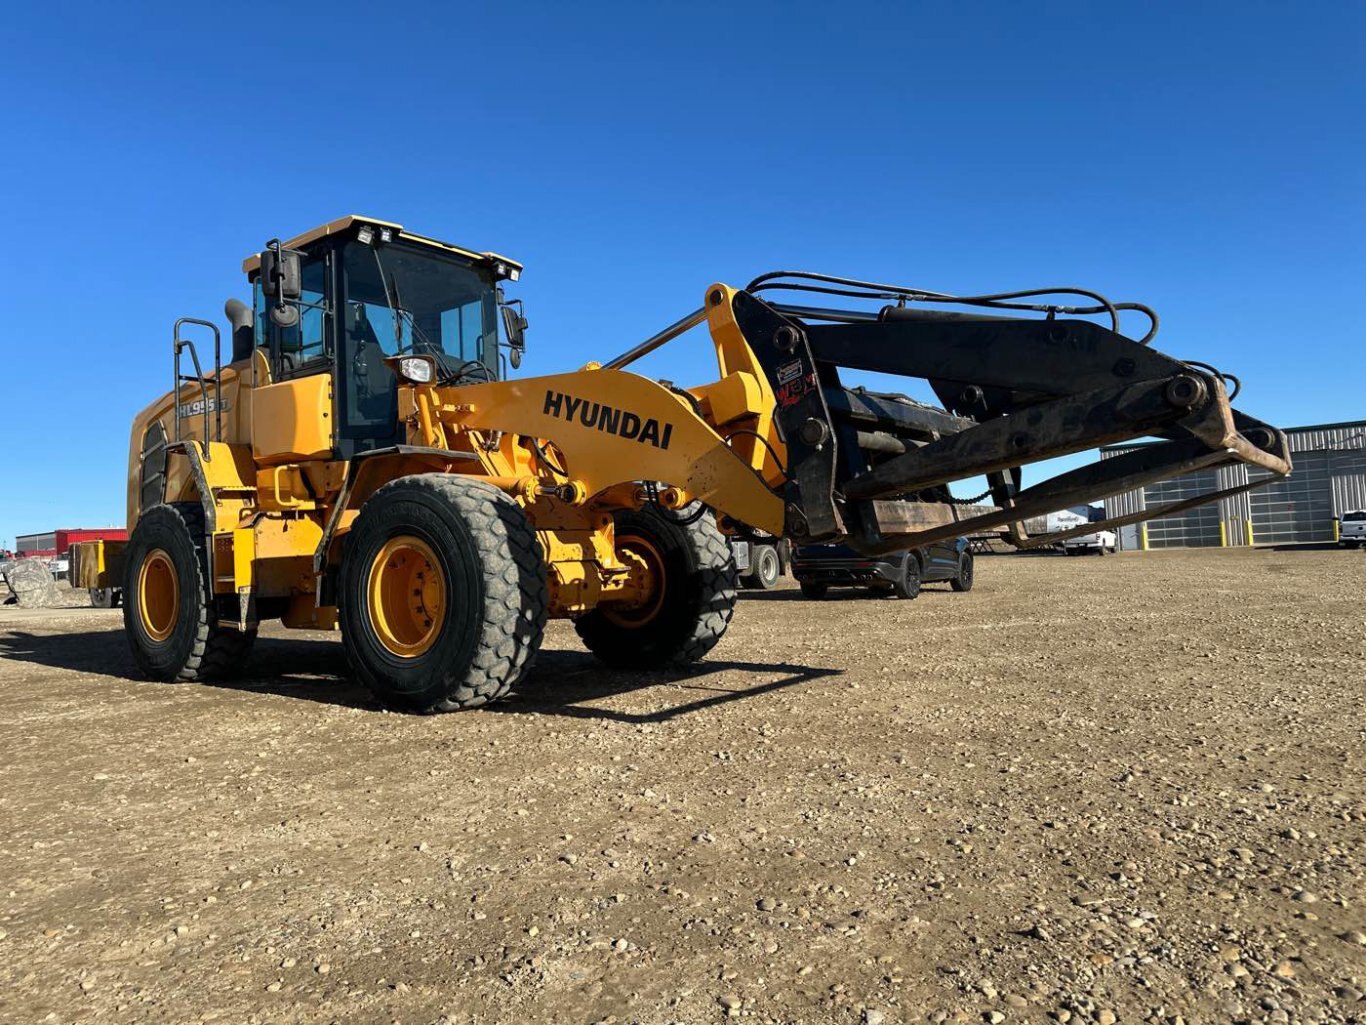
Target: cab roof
253, 263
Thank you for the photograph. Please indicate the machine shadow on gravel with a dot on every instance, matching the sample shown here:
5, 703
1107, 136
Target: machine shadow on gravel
839, 594
92, 651
562, 681
315, 670
311, 670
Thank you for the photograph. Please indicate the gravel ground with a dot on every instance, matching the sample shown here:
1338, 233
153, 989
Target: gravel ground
1118, 790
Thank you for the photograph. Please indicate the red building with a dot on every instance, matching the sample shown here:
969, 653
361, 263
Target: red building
55, 543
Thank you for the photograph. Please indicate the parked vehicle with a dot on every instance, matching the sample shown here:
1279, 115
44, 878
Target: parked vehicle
1352, 529
760, 563
58, 547
1102, 542
1055, 522
821, 567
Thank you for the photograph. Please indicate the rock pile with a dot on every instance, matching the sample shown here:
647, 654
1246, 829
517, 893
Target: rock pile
31, 584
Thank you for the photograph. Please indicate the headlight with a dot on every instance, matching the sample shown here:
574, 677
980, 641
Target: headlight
417, 369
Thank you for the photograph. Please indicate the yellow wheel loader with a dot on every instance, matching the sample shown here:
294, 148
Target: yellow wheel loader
364, 463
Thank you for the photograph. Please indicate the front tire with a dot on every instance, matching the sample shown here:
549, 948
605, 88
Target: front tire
172, 626
690, 608
443, 594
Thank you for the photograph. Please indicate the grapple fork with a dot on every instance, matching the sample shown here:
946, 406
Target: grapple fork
1016, 390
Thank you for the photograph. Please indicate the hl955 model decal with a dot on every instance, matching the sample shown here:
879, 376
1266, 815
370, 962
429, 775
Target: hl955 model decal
198, 406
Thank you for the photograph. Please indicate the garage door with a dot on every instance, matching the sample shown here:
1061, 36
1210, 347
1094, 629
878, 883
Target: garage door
1194, 528
1298, 508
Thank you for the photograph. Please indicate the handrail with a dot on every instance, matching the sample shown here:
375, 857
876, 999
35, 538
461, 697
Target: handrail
280, 500
178, 345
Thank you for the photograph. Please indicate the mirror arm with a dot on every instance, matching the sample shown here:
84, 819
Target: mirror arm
276, 285
281, 282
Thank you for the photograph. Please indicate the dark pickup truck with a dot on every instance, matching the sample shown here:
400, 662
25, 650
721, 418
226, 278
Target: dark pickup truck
821, 567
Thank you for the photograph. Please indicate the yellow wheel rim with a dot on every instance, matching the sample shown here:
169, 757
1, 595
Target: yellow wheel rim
647, 564
158, 595
407, 593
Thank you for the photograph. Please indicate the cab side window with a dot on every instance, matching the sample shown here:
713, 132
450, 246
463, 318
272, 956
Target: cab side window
303, 348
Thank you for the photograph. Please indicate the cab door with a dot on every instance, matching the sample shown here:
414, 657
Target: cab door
367, 389
292, 417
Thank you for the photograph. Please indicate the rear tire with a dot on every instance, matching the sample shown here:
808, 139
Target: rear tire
172, 627
814, 591
908, 585
966, 568
443, 597
685, 621
763, 576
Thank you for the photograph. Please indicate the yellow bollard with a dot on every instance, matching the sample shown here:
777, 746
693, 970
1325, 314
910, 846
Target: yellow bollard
1247, 526
1223, 534
1337, 530
1143, 537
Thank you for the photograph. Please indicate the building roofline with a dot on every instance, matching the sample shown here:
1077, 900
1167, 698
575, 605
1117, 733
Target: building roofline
1345, 424
1324, 427
65, 530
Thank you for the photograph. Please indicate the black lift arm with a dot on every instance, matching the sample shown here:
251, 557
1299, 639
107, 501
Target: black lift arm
1015, 389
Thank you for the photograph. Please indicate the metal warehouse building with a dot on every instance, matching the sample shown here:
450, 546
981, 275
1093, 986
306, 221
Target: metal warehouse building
1329, 479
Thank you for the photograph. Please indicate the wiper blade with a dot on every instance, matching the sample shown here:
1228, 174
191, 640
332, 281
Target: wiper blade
392, 300
395, 304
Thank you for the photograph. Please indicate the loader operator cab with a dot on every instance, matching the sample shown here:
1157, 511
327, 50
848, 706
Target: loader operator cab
347, 297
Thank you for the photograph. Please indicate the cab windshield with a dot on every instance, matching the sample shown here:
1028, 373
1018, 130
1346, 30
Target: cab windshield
406, 299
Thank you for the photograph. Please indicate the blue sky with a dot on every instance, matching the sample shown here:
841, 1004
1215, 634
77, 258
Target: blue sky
1205, 158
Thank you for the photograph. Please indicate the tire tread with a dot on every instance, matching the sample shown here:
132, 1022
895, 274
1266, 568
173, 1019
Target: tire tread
517, 601
216, 652
713, 574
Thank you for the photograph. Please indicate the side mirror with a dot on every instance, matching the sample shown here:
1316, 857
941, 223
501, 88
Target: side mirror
281, 280
514, 326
